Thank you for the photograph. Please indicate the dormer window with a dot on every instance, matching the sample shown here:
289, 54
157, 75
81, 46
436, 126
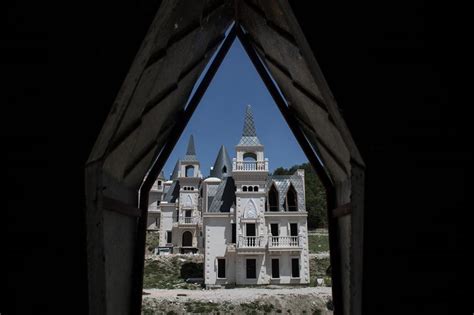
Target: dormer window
224, 170
273, 199
292, 199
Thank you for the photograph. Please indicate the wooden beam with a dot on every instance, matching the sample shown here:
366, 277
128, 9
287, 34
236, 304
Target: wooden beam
176, 132
342, 210
120, 207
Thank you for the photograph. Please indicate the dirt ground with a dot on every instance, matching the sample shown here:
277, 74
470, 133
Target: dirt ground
268, 300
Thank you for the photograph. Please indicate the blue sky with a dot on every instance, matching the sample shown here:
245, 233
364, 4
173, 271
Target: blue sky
219, 117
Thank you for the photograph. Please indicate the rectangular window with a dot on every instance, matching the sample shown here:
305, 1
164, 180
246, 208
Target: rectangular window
295, 267
250, 229
168, 237
274, 229
220, 268
234, 233
276, 268
293, 229
251, 268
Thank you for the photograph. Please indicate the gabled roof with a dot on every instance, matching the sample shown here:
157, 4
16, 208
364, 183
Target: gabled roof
224, 198
173, 193
249, 133
222, 160
282, 184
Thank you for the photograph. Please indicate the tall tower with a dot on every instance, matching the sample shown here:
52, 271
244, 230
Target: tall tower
188, 215
250, 172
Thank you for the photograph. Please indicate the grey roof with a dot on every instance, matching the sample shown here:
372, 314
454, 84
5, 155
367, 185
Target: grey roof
282, 184
173, 192
224, 198
191, 151
249, 133
174, 175
162, 175
211, 193
222, 160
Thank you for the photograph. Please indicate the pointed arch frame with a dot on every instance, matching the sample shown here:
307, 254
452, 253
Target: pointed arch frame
111, 183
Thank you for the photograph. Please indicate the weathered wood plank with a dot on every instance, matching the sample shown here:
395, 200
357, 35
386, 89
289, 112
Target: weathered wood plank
313, 67
278, 48
128, 87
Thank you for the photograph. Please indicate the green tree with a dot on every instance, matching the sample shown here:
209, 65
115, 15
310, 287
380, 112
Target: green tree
315, 194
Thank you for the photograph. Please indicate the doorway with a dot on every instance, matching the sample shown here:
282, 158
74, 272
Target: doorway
187, 239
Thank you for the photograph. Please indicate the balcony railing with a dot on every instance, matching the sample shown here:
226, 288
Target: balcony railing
188, 220
251, 242
250, 166
284, 241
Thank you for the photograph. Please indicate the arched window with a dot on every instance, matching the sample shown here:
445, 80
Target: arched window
250, 157
292, 199
192, 188
255, 188
187, 239
250, 188
189, 171
224, 170
244, 188
273, 199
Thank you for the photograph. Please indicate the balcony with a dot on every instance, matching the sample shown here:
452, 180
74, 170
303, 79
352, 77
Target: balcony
285, 243
251, 245
188, 221
248, 166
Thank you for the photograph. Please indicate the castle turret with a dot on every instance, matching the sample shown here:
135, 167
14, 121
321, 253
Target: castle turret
223, 165
250, 154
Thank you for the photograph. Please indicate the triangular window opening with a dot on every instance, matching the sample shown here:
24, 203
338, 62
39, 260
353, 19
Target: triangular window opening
215, 123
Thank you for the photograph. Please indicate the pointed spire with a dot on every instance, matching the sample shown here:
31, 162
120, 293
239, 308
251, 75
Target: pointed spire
249, 133
162, 175
223, 165
190, 151
174, 175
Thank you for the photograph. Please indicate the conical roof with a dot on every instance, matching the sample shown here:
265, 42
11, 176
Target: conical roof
191, 151
249, 133
174, 175
223, 165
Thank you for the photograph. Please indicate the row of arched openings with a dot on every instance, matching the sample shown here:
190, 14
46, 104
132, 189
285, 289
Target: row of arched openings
250, 188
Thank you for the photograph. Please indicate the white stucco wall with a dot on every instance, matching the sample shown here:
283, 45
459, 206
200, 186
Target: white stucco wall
166, 221
217, 235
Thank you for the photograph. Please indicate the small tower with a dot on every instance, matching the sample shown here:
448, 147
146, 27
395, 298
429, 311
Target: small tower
250, 154
187, 222
189, 164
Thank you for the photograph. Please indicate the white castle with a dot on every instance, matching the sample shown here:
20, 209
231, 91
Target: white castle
250, 226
